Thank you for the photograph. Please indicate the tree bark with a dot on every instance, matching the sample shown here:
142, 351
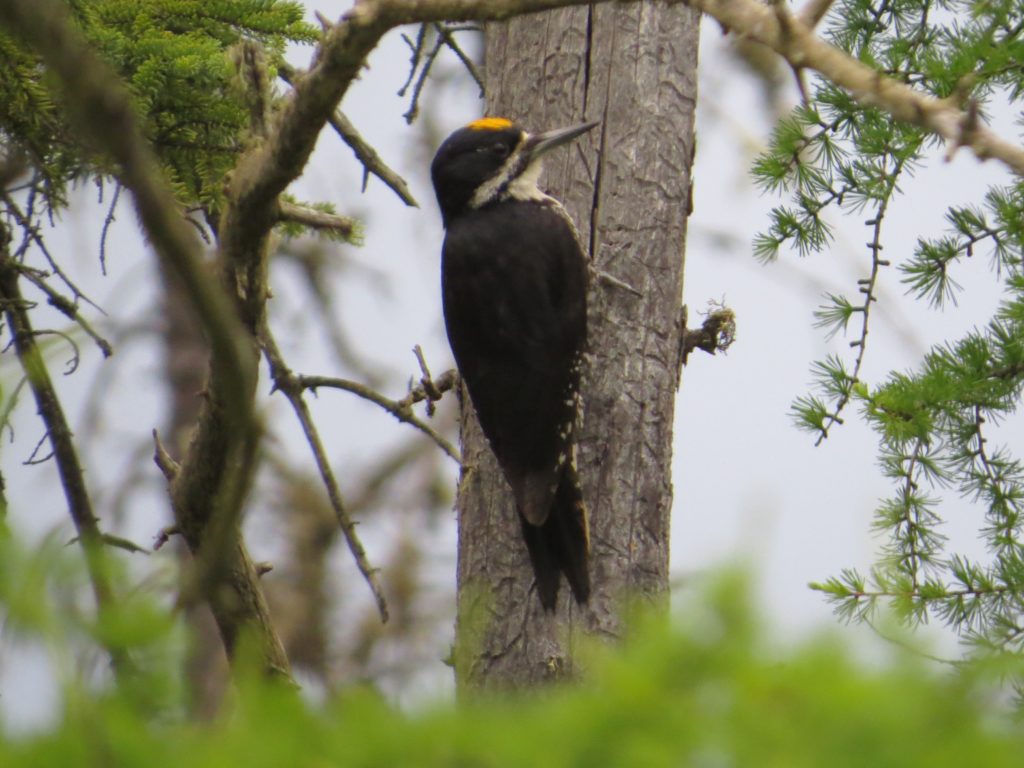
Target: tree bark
627, 186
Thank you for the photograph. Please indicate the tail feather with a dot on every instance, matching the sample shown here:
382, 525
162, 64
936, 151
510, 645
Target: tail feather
561, 544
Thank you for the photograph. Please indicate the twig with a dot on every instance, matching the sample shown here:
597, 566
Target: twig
106, 227
430, 389
76, 354
427, 385
417, 89
66, 306
400, 409
608, 278
10, 403
906, 646
415, 52
24, 220
291, 387
164, 535
446, 35
34, 458
118, 542
344, 226
164, 461
364, 152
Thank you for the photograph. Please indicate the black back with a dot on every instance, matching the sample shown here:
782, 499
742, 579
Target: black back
514, 290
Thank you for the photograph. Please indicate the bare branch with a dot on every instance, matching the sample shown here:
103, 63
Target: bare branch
446, 35
164, 535
400, 409
419, 82
364, 152
431, 390
26, 220
291, 387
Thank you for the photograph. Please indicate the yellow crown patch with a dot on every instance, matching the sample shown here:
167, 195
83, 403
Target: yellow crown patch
490, 124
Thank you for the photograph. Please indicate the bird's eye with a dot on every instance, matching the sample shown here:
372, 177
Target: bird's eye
499, 149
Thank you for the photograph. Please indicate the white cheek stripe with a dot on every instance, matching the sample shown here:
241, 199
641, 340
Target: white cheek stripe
524, 186
507, 185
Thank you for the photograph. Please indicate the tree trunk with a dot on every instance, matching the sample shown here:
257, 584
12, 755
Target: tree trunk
627, 186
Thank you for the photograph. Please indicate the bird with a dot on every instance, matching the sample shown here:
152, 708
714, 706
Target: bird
514, 283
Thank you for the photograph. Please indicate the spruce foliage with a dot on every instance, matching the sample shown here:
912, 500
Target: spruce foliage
175, 57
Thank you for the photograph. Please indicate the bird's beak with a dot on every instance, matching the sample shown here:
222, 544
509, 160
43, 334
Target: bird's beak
538, 144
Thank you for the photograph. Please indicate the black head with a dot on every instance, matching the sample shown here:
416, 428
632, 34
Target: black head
477, 164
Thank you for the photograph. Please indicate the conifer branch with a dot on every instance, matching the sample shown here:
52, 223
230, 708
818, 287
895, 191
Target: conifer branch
868, 288
798, 45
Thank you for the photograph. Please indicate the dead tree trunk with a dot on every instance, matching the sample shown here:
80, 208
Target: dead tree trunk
627, 186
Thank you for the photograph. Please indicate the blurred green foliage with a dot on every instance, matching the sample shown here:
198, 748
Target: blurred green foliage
708, 689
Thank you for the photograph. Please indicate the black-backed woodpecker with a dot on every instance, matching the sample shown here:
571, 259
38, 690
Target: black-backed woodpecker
514, 285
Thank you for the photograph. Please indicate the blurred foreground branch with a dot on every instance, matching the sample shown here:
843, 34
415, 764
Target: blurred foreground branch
59, 434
